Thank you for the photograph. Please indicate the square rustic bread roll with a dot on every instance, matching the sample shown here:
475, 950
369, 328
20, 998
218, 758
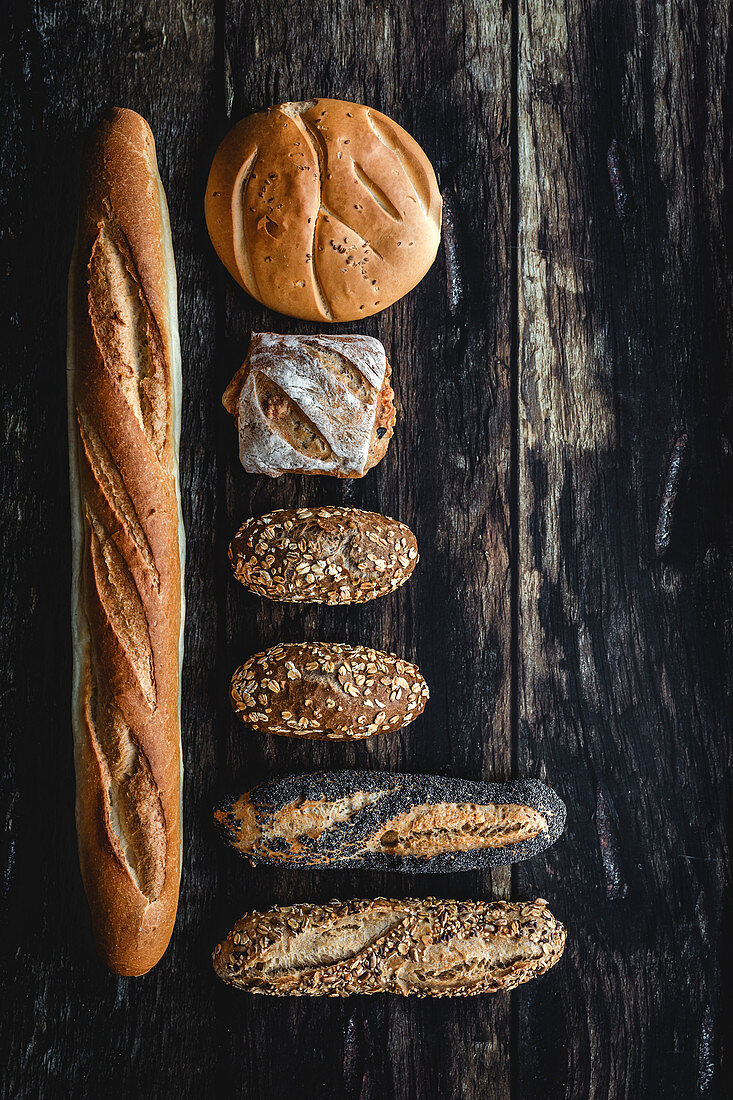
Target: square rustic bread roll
312, 405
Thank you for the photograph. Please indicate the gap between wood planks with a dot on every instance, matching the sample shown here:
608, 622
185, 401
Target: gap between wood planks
514, 1079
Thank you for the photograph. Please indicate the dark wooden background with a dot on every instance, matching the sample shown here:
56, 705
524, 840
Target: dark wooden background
574, 328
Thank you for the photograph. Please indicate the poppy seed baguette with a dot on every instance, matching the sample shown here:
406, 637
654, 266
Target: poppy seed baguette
427, 948
327, 691
385, 821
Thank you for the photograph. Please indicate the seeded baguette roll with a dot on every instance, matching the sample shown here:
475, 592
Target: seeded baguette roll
124, 403
323, 555
327, 691
395, 822
425, 948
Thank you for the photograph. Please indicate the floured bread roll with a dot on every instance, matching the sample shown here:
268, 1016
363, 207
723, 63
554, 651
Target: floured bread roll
312, 405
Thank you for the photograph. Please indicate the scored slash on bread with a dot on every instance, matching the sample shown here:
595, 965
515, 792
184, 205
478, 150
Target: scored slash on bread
124, 397
323, 209
425, 948
326, 555
327, 691
389, 821
312, 405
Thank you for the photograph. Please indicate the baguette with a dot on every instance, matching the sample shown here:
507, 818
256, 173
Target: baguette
327, 691
323, 555
427, 948
124, 401
386, 821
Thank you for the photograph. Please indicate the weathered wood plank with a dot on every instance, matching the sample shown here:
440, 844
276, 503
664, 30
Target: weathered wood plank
625, 331
446, 474
75, 1030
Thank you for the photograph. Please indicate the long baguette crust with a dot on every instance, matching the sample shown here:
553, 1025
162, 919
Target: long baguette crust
124, 384
387, 821
427, 948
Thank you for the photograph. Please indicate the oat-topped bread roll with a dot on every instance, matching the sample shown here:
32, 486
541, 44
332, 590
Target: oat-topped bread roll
324, 210
327, 691
124, 400
323, 555
392, 822
312, 405
428, 948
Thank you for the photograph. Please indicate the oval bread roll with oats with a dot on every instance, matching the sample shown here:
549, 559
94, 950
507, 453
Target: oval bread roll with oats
386, 821
424, 948
323, 210
327, 691
323, 555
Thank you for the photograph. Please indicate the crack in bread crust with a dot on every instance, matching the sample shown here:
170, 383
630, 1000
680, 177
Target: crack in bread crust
240, 239
421, 947
111, 483
122, 607
315, 139
126, 334
135, 817
413, 171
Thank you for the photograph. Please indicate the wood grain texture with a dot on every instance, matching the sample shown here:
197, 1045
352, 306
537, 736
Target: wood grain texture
625, 334
574, 325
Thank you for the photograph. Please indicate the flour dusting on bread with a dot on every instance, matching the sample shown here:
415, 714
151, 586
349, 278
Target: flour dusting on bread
310, 404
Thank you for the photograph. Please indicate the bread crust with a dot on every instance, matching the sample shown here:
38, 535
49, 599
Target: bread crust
326, 555
324, 210
388, 821
327, 691
312, 405
124, 387
424, 948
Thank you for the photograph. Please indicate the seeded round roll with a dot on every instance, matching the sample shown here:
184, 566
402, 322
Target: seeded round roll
327, 691
323, 555
427, 948
387, 821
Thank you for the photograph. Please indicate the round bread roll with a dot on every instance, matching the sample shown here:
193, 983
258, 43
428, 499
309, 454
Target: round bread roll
323, 210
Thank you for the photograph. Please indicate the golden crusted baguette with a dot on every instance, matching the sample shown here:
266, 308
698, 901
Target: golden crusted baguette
124, 399
323, 555
327, 691
427, 948
387, 821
